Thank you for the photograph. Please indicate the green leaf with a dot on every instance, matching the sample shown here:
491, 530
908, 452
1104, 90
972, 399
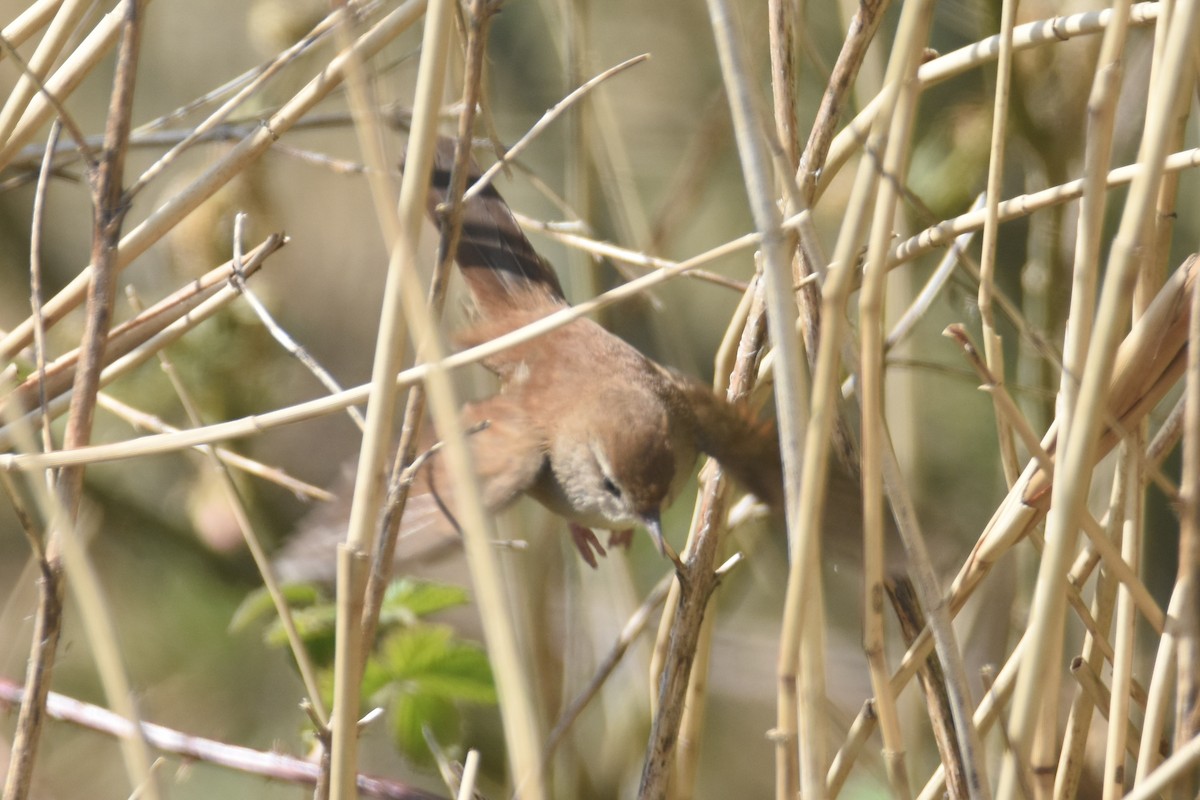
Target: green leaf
427, 660
411, 713
377, 685
406, 600
258, 604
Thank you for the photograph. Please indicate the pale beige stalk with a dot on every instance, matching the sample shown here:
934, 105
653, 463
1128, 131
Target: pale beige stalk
164, 218
993, 345
1040, 672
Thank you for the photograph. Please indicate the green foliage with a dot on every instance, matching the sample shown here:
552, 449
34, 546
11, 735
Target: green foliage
419, 671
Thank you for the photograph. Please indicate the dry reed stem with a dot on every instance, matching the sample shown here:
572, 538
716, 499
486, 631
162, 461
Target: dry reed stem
34, 17
1071, 759
1178, 768
401, 231
36, 237
1101, 114
933, 685
958, 62
856, 738
1102, 698
143, 351
870, 312
64, 550
986, 713
47, 629
44, 56
1159, 692
738, 383
1129, 495
1023, 205
1187, 690
272, 474
56, 378
74, 69
697, 583
867, 17
1039, 676
688, 748
781, 310
782, 21
479, 15
241, 516
249, 149
993, 346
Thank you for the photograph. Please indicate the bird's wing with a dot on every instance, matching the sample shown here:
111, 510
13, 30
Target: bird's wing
507, 450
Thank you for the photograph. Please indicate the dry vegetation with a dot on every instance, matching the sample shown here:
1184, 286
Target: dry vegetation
814, 194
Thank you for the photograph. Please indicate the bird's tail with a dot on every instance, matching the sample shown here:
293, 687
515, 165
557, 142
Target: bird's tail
502, 270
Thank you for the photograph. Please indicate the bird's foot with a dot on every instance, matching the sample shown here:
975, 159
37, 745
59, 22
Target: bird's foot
620, 538
585, 542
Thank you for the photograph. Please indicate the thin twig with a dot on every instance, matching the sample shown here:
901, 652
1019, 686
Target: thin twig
261, 76
697, 584
993, 345
108, 213
285, 339
551, 114
854, 49
633, 629
145, 347
266, 764
57, 377
480, 14
164, 218
150, 422
35, 281
65, 118
1040, 674
237, 507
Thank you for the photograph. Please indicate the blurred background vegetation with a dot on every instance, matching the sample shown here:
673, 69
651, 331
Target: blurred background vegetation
172, 561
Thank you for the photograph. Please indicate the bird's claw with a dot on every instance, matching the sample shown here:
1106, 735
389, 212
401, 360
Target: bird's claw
585, 542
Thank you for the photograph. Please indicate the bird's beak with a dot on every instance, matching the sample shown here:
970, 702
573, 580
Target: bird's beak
653, 524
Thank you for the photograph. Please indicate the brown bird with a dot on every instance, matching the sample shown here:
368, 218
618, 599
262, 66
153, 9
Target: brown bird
583, 422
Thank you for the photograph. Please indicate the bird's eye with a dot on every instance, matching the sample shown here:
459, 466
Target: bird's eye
611, 487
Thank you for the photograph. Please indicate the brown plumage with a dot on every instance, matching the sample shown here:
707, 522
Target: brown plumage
583, 422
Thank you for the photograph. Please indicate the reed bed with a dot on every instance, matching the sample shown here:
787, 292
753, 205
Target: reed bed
948, 246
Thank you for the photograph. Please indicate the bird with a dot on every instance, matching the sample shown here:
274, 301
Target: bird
583, 422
